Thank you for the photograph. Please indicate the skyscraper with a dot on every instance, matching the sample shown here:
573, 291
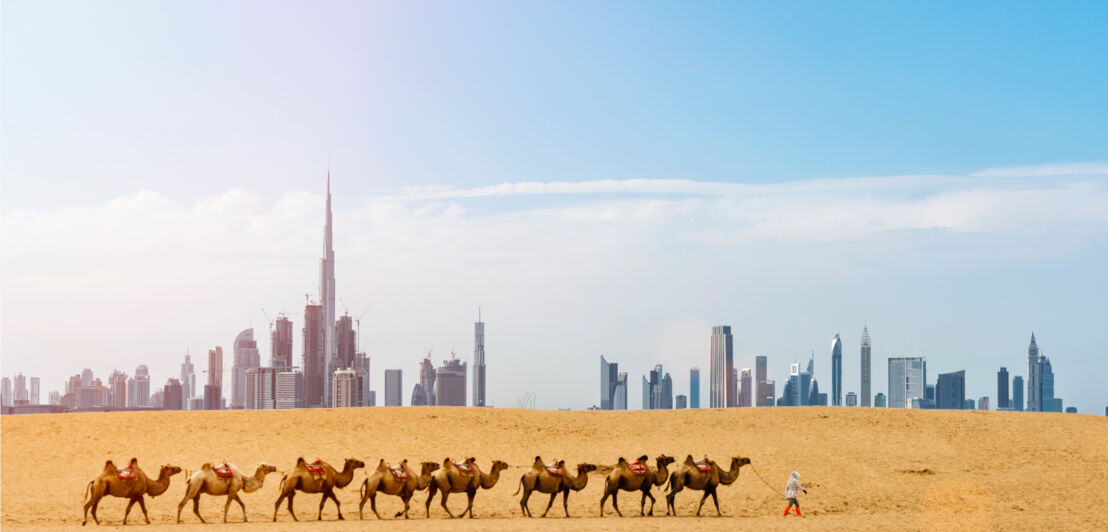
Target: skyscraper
682, 402
327, 304
907, 376
619, 401
950, 393
667, 393
1017, 393
347, 340
280, 343
188, 380
313, 360
609, 376
117, 387
763, 396
290, 389
1002, 389
836, 371
694, 388
34, 390
344, 388
427, 380
866, 366
655, 394
142, 386
450, 383
851, 399
746, 391
479, 361
245, 353
213, 390
6, 391
171, 395
394, 383
20, 390
722, 362
879, 401
1040, 380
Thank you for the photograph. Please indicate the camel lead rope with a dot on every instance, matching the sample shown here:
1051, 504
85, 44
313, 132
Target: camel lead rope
764, 480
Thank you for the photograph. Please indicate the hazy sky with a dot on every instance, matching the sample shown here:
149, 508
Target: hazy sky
600, 177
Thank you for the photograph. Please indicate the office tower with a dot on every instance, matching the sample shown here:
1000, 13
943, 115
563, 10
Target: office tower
1046, 380
983, 403
770, 387
866, 366
763, 396
213, 398
427, 381
117, 384
609, 376
746, 386
798, 389
86, 377
215, 368
313, 359
1040, 380
361, 372
851, 399
667, 393
55, 397
327, 298
290, 389
157, 400
450, 383
280, 343
171, 395
394, 383
95, 395
346, 340
479, 361
970, 404
815, 398
6, 391
722, 362
1057, 405
682, 402
246, 356
879, 401
188, 379
34, 390
620, 398
131, 392
261, 388
652, 389
1017, 393
419, 396
929, 393
142, 386
836, 371
907, 376
344, 388
20, 391
1002, 389
694, 388
950, 393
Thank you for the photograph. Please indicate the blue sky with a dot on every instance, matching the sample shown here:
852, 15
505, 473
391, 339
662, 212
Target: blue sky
937, 170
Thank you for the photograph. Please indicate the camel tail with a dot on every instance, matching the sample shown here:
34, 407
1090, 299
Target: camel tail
88, 491
520, 486
672, 481
362, 491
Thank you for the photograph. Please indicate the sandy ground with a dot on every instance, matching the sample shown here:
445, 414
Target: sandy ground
865, 469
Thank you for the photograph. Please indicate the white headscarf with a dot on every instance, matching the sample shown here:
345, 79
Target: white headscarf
793, 486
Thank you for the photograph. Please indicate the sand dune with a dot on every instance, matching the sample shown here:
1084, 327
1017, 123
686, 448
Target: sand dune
865, 469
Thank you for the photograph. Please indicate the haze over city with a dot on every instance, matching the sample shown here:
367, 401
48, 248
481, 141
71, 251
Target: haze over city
597, 186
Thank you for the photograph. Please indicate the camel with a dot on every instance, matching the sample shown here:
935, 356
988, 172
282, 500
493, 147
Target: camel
690, 476
133, 488
303, 478
450, 479
207, 480
540, 479
384, 480
624, 478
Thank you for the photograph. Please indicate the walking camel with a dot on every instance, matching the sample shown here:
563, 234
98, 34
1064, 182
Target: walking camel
129, 483
706, 476
463, 477
399, 481
224, 480
316, 477
637, 476
552, 480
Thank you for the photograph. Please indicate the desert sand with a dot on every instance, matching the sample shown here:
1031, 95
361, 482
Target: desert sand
865, 469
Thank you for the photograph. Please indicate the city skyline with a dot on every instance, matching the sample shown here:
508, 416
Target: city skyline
596, 188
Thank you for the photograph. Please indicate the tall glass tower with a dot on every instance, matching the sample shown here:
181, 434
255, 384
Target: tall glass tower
867, 367
722, 363
327, 299
836, 371
479, 361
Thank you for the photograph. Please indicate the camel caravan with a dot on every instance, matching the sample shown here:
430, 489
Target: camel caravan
402, 481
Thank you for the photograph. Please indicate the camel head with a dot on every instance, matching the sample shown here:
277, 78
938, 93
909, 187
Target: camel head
170, 470
742, 460
583, 469
354, 463
664, 460
428, 468
266, 468
497, 465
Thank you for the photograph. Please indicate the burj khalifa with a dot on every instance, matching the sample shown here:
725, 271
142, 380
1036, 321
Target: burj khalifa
327, 298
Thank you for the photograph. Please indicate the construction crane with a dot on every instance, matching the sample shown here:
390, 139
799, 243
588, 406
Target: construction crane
358, 323
267, 318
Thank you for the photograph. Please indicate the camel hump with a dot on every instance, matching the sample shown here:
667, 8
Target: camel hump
300, 461
207, 466
133, 462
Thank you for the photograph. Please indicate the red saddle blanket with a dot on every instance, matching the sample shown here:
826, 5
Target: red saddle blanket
316, 468
223, 471
125, 473
554, 471
637, 468
463, 467
703, 467
399, 473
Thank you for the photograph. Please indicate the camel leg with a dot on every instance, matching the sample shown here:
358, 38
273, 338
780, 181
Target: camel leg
92, 502
603, 500
670, 498
277, 505
373, 505
651, 495
430, 496
321, 502
95, 505
182, 505
243, 505
227, 506
716, 501
406, 506
142, 506
702, 499
469, 507
642, 505
523, 502
196, 507
551, 503
565, 501
615, 504
128, 510
443, 502
293, 514
338, 507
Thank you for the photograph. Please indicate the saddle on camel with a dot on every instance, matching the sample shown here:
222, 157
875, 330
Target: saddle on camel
703, 466
224, 471
399, 473
316, 468
637, 468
